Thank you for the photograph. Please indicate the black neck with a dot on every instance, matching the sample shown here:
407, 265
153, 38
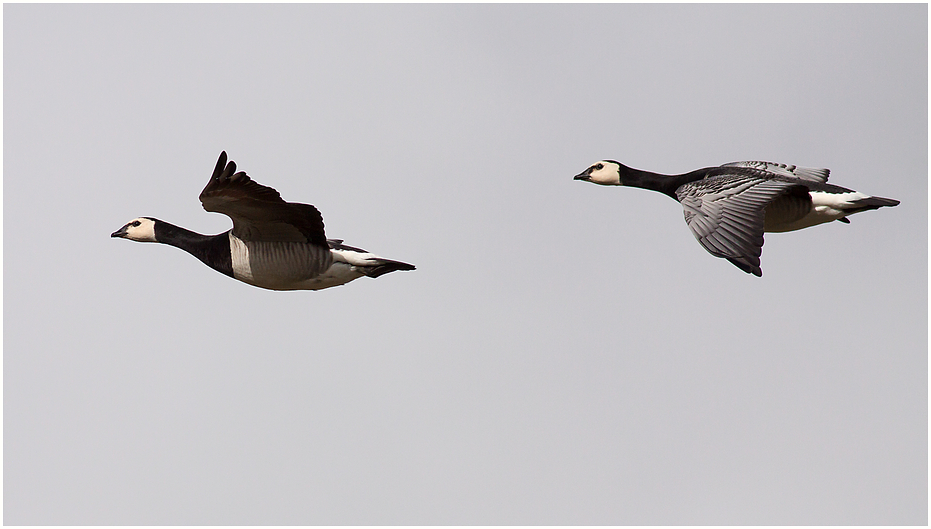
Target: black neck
666, 184
212, 250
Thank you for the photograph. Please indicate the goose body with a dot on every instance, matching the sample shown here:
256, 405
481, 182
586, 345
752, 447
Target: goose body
728, 208
273, 244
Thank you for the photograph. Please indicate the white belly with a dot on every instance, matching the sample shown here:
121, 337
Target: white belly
337, 274
825, 207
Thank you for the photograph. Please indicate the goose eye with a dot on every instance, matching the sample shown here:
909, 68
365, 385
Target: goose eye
599, 166
136, 223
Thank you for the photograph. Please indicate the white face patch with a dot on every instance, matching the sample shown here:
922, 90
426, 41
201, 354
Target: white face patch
605, 173
141, 229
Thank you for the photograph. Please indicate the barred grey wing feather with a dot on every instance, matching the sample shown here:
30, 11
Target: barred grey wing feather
726, 214
812, 174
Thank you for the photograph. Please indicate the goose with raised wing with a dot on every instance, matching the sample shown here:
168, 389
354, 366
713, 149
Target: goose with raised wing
273, 244
728, 208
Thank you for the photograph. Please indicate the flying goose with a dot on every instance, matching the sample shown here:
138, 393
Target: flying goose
274, 244
729, 207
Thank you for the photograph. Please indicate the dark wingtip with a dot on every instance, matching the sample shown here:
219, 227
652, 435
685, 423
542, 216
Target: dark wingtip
746, 267
225, 169
229, 171
221, 164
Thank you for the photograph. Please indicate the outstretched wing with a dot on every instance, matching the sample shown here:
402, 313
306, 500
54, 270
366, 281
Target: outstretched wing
812, 174
258, 212
726, 214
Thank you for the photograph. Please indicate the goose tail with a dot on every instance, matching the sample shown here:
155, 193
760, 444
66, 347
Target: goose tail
383, 266
874, 203
367, 263
866, 204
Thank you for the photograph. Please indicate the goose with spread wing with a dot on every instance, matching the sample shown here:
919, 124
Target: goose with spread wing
273, 244
729, 207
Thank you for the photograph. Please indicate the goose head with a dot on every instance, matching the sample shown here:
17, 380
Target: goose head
605, 172
141, 229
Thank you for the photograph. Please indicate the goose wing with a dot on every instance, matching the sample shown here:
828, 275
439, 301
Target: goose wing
726, 214
258, 212
812, 174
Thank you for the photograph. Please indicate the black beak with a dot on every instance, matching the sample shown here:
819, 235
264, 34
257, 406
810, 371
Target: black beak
120, 232
583, 175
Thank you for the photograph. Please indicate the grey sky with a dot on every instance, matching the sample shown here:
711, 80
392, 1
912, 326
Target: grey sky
564, 354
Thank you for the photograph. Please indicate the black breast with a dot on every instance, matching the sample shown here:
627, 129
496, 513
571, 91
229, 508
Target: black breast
212, 250
215, 253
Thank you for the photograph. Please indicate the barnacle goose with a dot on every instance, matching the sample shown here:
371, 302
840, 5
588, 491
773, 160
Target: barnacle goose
729, 207
274, 244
